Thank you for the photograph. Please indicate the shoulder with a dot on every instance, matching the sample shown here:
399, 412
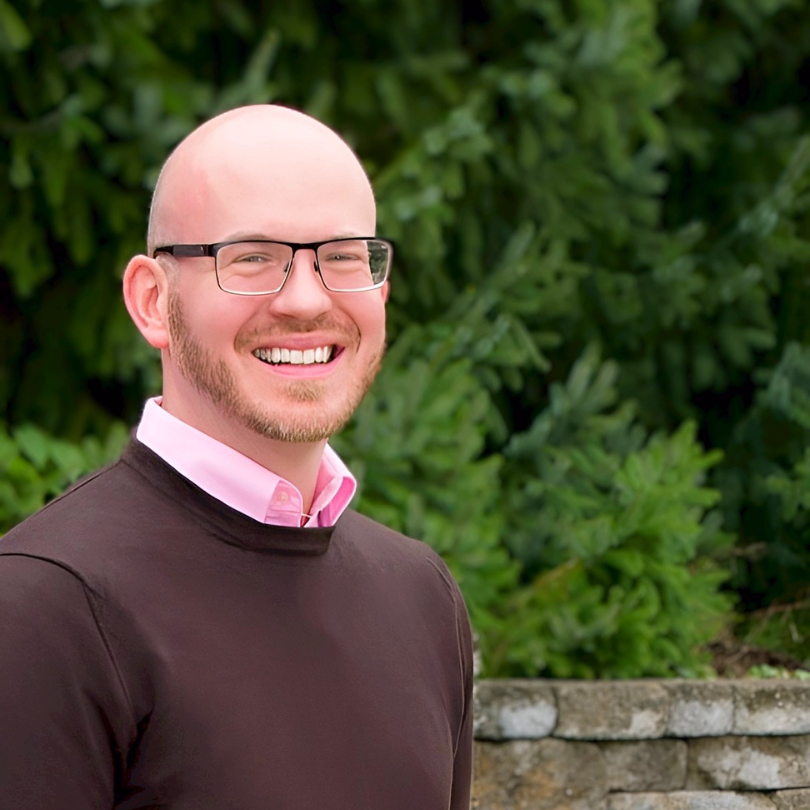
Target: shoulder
46, 611
386, 549
95, 488
61, 688
78, 526
52, 558
27, 579
380, 541
403, 564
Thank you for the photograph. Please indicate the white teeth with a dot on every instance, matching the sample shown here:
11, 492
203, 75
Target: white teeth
300, 357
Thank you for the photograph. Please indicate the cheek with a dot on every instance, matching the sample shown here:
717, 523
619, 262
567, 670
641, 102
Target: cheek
216, 318
372, 323
369, 312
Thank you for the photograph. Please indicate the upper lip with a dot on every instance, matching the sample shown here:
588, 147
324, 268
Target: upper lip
301, 342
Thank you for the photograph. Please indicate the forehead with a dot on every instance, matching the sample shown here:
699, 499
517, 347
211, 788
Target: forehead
290, 178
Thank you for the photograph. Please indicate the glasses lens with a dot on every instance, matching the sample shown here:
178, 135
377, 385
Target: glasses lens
253, 267
353, 264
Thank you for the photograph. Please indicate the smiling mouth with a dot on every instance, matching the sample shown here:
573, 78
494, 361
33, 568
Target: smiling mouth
296, 357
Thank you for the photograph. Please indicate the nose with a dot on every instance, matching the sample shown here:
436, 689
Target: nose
303, 295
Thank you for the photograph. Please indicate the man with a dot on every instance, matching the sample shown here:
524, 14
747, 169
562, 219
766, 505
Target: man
205, 625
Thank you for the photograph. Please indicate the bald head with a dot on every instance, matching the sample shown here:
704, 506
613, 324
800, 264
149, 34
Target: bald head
261, 171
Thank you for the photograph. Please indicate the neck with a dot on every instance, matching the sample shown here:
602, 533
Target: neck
296, 462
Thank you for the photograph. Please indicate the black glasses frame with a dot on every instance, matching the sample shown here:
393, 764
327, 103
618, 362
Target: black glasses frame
204, 251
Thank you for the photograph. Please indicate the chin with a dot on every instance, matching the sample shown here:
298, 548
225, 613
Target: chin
307, 416
296, 432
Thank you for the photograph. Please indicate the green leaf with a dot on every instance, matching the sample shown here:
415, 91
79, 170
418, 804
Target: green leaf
14, 33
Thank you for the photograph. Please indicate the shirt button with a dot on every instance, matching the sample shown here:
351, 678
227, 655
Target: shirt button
283, 497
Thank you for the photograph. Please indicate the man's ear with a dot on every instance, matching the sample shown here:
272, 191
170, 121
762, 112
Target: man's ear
386, 291
146, 295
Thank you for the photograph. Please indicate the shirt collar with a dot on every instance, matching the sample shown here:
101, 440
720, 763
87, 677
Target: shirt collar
240, 482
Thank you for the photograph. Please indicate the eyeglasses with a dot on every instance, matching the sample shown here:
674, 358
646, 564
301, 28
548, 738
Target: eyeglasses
260, 267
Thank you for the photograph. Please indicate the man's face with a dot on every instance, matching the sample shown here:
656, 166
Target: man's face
308, 403
220, 343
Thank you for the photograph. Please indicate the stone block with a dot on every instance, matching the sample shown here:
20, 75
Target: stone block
700, 708
646, 765
689, 800
514, 710
611, 710
749, 763
539, 775
792, 799
772, 707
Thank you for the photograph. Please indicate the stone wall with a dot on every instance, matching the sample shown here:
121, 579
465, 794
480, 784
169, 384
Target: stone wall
642, 745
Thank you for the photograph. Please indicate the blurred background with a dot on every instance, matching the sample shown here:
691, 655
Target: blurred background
596, 400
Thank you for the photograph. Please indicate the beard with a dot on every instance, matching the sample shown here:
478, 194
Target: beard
212, 378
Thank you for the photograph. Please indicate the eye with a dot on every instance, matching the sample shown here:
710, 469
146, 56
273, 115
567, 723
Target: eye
255, 257
256, 254
342, 252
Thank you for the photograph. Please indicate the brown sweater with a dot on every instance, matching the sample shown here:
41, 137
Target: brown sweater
161, 650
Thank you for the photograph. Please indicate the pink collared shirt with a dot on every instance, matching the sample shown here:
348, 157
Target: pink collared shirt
240, 482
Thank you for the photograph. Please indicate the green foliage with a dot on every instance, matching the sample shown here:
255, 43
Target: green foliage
614, 527
34, 467
601, 217
766, 671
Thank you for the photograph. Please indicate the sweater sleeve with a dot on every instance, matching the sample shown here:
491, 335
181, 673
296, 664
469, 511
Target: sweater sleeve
64, 714
463, 759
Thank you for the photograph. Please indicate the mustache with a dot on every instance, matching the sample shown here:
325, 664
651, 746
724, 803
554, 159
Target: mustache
296, 327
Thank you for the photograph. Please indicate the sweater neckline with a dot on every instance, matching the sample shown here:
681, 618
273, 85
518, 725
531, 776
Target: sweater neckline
224, 522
